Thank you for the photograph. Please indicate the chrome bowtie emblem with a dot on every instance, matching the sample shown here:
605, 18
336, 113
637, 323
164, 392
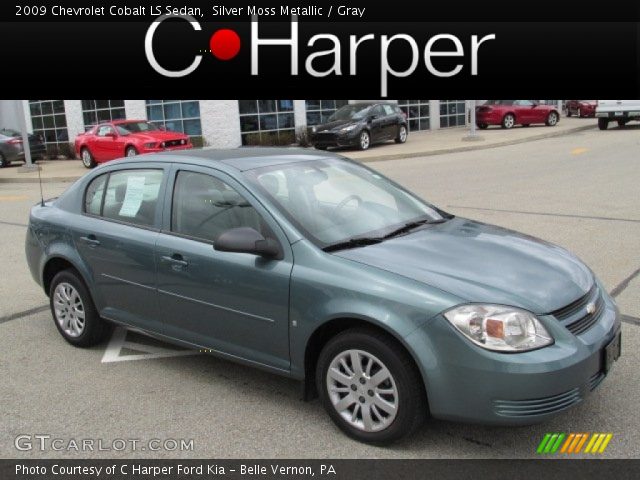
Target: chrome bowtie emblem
591, 307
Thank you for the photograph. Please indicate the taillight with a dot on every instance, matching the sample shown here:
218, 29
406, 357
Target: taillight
14, 141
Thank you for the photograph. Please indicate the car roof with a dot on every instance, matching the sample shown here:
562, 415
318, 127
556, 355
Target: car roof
243, 158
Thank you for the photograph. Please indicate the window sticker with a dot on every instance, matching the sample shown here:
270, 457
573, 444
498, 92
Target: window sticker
132, 197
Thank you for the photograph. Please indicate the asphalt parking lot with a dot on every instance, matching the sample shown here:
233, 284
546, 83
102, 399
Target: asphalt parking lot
581, 191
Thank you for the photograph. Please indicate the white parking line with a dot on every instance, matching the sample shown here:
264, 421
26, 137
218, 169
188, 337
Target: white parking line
119, 341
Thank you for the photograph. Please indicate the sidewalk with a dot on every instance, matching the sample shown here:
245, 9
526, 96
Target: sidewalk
418, 144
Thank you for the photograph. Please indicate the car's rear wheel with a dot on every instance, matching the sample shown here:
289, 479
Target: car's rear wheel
3, 161
483, 126
552, 119
364, 142
87, 159
508, 121
622, 123
370, 387
73, 311
402, 134
131, 151
603, 123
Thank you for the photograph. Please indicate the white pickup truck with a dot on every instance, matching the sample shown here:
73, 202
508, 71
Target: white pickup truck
622, 111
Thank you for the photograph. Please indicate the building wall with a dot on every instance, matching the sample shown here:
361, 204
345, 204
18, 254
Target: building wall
8, 116
220, 123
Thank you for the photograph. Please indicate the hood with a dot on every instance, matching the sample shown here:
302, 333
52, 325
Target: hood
336, 124
483, 263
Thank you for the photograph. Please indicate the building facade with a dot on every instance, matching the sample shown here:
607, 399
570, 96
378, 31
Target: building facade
215, 123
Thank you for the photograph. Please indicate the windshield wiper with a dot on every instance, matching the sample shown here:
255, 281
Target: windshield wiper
353, 243
407, 227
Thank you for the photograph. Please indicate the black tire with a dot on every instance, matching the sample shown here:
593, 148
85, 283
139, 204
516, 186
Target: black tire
402, 135
483, 126
362, 144
622, 123
569, 112
508, 121
130, 151
87, 158
552, 119
95, 329
411, 399
603, 123
320, 147
3, 161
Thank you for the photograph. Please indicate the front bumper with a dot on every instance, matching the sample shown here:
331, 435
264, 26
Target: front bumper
335, 139
188, 146
467, 383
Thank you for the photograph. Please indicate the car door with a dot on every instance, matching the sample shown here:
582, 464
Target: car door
116, 237
233, 303
377, 124
107, 143
391, 121
524, 111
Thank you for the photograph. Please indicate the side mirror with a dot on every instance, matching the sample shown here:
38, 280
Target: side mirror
373, 117
247, 240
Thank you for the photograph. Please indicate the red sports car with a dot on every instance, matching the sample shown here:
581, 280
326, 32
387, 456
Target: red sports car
508, 113
581, 108
126, 138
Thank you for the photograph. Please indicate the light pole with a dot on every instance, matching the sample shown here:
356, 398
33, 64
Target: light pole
472, 136
28, 163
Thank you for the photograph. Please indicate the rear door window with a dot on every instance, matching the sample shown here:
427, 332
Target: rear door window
131, 196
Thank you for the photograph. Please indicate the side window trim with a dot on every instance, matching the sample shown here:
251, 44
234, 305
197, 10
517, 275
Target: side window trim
166, 170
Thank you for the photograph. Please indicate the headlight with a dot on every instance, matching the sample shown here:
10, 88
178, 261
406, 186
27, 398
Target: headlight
183, 142
499, 328
313, 129
149, 145
348, 128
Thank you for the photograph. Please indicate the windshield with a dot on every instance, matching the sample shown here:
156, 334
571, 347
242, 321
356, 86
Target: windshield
135, 127
350, 112
332, 200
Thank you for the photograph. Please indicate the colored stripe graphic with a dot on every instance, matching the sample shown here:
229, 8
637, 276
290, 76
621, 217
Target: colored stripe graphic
573, 443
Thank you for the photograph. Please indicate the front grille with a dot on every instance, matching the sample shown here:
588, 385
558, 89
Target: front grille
538, 406
575, 316
172, 143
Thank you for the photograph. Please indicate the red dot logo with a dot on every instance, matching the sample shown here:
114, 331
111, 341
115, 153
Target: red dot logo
224, 44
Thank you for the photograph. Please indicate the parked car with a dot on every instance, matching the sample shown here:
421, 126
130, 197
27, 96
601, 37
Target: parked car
316, 267
126, 138
361, 125
11, 148
508, 113
620, 111
581, 108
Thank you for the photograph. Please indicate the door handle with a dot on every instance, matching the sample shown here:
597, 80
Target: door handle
91, 240
176, 259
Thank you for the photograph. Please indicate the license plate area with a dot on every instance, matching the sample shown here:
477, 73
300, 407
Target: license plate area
612, 352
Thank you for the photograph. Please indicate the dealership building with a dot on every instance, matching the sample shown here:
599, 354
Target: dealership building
215, 123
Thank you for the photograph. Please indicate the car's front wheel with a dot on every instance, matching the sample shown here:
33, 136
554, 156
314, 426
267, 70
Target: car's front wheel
402, 134
552, 119
508, 121
370, 386
131, 151
3, 161
364, 141
73, 311
87, 159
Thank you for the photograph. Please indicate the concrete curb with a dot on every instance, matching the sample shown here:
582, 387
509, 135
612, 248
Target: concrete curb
377, 158
473, 146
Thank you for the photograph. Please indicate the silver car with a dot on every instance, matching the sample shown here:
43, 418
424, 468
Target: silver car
11, 147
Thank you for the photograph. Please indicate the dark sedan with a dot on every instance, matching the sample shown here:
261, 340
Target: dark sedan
361, 125
11, 149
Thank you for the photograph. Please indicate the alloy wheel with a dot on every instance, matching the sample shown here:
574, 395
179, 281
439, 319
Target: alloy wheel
364, 140
553, 119
86, 158
403, 134
131, 152
362, 390
69, 309
509, 121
